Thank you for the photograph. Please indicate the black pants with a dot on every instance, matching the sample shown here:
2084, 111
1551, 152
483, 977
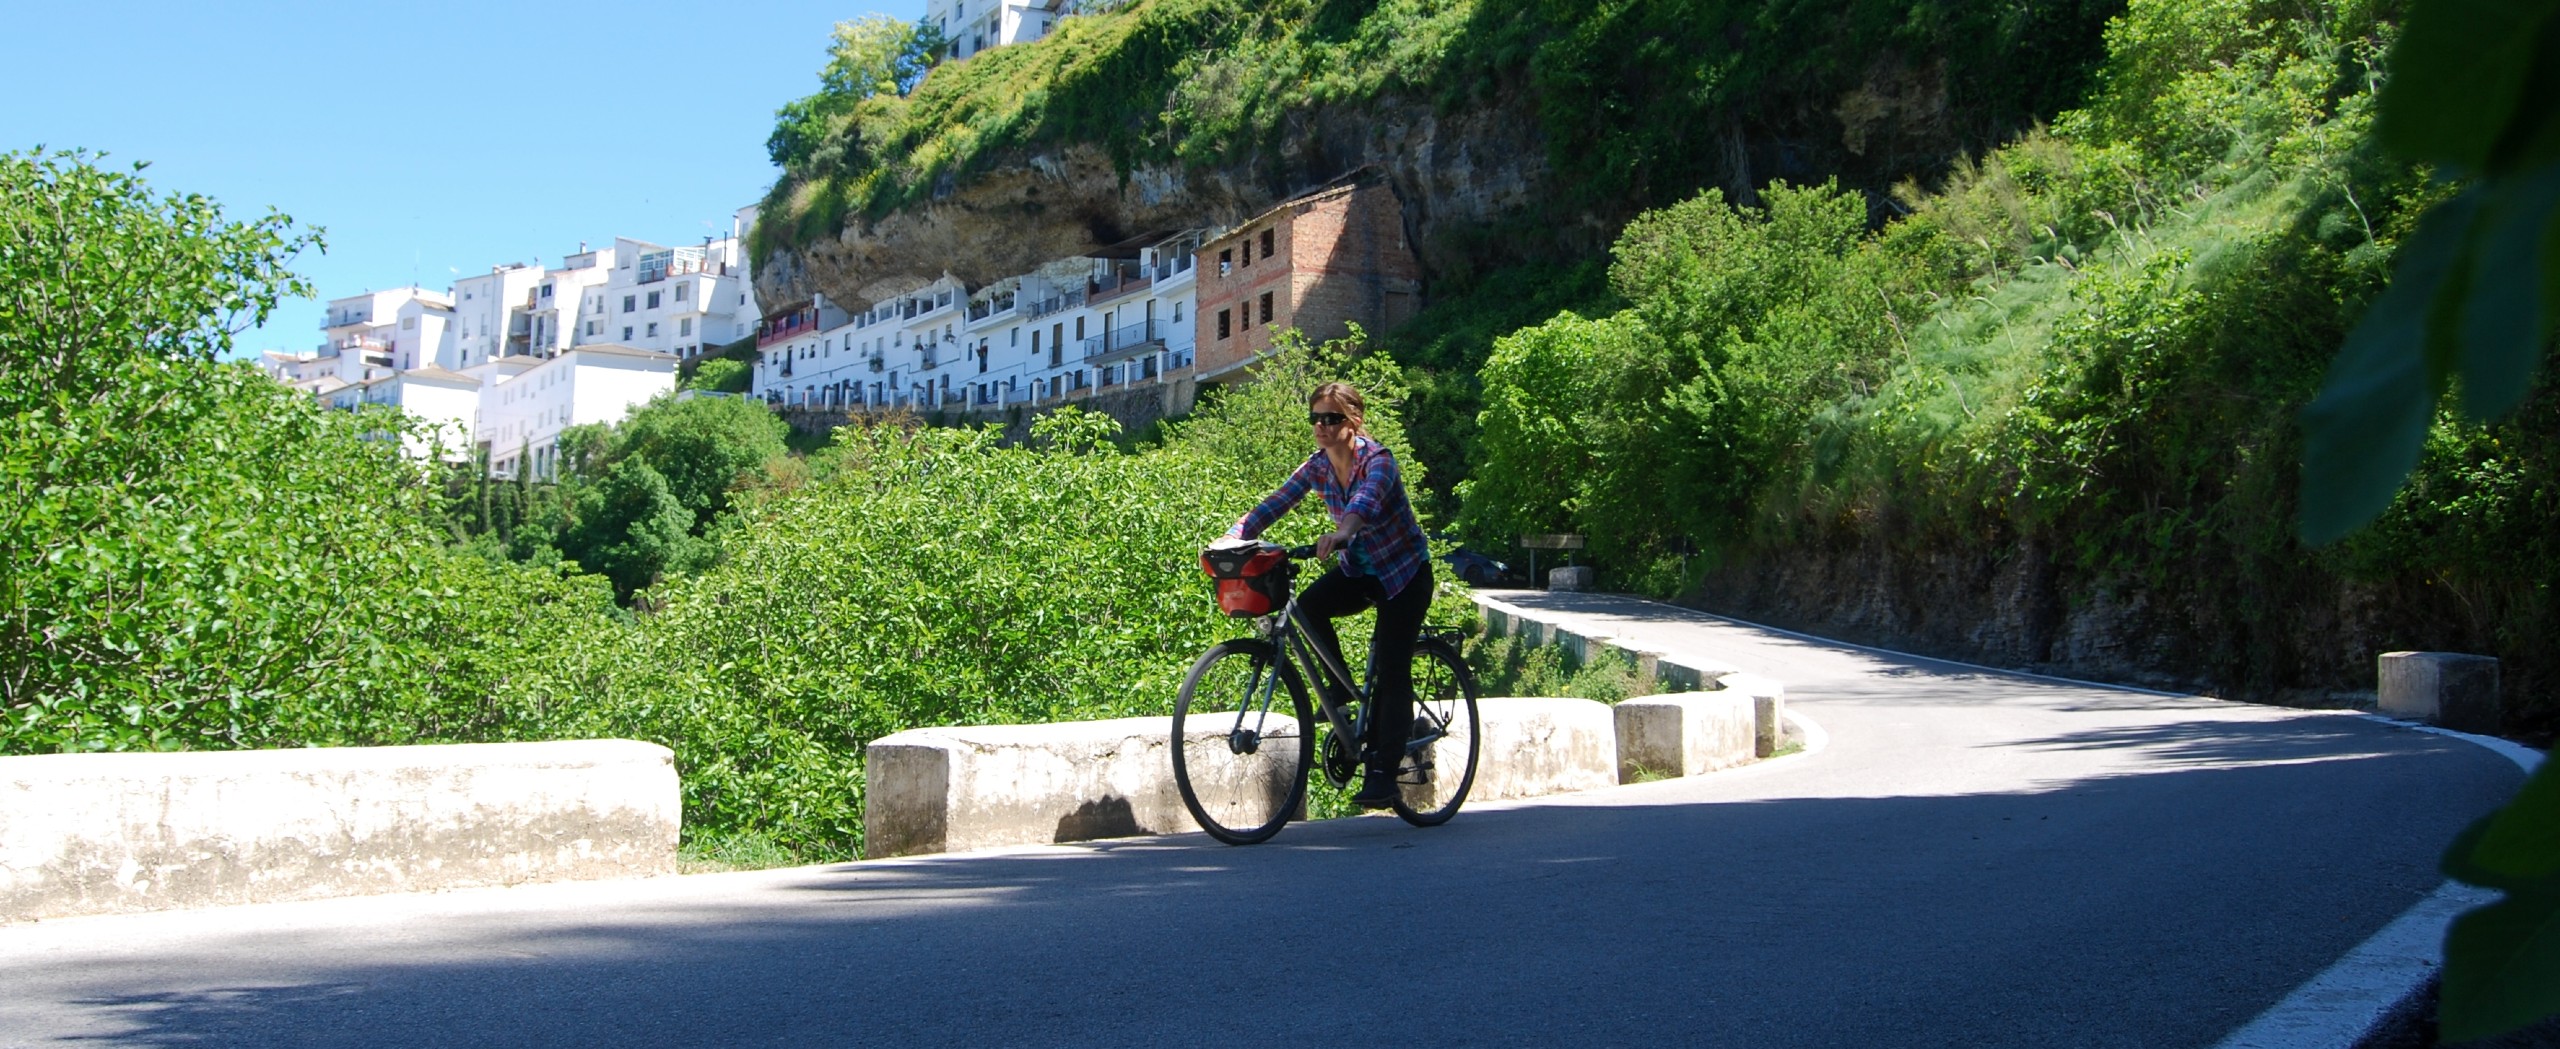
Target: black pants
1390, 647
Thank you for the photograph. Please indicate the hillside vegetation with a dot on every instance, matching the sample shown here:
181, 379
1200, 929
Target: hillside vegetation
1639, 102
2047, 415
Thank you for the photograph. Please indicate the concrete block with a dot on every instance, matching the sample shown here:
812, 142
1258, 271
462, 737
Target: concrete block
1769, 726
1683, 735
108, 833
1535, 746
1572, 577
2451, 689
973, 787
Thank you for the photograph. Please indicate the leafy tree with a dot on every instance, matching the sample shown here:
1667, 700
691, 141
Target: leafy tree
632, 529
190, 555
874, 56
702, 446
721, 375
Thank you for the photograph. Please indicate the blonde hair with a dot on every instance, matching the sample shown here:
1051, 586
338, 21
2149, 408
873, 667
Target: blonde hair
1348, 396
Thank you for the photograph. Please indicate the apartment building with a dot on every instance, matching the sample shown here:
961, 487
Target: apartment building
1117, 316
524, 403
568, 303
490, 318
681, 300
445, 403
626, 314
367, 336
972, 26
1318, 263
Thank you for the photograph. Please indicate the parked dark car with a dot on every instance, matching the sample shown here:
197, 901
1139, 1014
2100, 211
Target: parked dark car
1473, 568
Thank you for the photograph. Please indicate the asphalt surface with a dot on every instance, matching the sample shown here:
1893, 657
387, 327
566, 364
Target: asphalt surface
1975, 859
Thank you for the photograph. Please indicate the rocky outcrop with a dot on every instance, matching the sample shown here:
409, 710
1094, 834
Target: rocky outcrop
1459, 172
1466, 167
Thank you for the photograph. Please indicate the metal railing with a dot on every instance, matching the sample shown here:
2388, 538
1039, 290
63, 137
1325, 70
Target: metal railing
1127, 339
1054, 304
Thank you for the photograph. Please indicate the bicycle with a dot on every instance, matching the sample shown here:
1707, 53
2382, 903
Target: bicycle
1244, 766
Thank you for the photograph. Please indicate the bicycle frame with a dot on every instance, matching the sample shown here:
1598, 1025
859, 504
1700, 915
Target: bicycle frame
1287, 634
1287, 631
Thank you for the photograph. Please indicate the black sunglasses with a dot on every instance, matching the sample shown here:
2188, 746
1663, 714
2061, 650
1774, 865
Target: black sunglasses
1327, 418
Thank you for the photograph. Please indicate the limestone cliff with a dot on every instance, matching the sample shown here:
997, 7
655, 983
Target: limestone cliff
1466, 168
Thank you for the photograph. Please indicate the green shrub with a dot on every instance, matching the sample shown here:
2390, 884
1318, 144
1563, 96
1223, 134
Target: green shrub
190, 555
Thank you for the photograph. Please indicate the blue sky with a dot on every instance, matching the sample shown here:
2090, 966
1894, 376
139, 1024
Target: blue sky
428, 139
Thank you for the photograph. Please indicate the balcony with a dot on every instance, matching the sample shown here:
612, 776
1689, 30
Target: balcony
1058, 303
877, 363
993, 309
1124, 342
777, 329
1123, 277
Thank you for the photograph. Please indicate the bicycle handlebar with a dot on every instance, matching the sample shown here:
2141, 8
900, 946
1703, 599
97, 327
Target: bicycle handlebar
1302, 553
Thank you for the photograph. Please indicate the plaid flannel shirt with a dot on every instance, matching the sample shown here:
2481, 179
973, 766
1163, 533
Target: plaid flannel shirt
1389, 546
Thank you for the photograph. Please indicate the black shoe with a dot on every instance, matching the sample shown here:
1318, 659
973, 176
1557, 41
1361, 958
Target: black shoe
1377, 790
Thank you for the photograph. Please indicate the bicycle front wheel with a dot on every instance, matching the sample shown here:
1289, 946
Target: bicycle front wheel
1243, 742
1440, 762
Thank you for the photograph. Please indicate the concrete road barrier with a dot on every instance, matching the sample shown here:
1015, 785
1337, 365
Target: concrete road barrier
973, 787
1535, 746
1684, 734
105, 833
2451, 689
1770, 728
1665, 672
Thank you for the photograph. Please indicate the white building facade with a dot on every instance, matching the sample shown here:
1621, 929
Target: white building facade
971, 26
621, 317
1119, 317
525, 404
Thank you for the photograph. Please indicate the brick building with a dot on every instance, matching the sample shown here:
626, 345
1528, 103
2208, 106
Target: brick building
1317, 263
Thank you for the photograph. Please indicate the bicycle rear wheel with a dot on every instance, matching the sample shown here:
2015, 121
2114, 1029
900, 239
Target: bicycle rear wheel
1242, 742
1440, 763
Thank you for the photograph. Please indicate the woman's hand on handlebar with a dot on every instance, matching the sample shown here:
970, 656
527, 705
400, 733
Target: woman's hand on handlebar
1331, 541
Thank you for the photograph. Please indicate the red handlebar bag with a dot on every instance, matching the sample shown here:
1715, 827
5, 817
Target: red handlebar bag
1253, 579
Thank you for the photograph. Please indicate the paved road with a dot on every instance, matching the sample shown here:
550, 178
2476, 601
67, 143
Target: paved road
1976, 859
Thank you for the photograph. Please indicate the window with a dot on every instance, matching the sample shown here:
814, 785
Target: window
653, 300
684, 326
1248, 253
653, 325
408, 323
594, 328
1266, 307
1226, 261
1079, 327
546, 291
1177, 311
680, 290
1266, 244
1015, 337
1222, 324
627, 302
626, 333
1244, 314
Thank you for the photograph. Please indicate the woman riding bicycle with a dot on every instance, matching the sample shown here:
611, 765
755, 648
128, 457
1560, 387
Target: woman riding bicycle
1384, 564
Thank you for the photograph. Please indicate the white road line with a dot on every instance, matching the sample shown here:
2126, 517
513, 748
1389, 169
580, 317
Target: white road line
2348, 1000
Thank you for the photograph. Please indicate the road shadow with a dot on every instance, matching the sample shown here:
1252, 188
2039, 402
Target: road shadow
2158, 908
